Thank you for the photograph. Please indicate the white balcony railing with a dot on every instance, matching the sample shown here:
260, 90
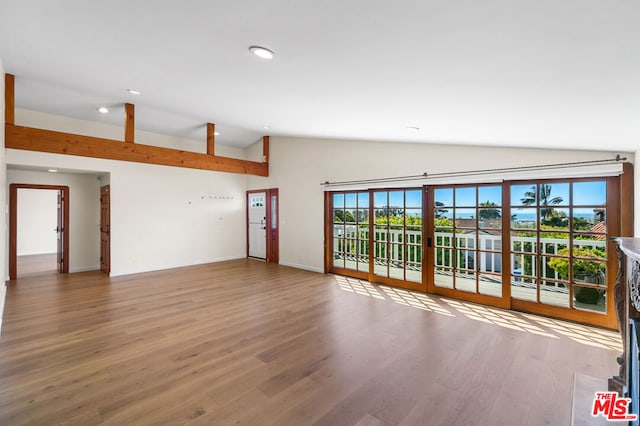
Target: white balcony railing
490, 258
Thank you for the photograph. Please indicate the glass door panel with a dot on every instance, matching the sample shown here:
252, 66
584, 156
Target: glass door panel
350, 231
398, 235
559, 244
468, 239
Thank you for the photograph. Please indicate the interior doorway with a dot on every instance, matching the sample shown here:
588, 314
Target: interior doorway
60, 229
262, 224
105, 229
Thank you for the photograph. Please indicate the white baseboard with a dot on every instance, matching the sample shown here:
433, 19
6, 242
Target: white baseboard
35, 253
84, 269
3, 292
305, 267
172, 266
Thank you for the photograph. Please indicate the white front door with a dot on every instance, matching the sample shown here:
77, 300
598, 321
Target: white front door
257, 224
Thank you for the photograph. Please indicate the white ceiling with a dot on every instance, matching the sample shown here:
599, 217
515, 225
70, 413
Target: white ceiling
536, 73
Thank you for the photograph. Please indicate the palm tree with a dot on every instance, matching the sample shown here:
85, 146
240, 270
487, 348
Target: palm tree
529, 199
486, 212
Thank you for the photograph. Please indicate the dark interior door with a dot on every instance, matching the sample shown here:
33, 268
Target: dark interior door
105, 229
60, 232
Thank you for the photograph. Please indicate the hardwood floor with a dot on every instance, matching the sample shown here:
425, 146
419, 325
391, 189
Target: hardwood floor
37, 264
245, 342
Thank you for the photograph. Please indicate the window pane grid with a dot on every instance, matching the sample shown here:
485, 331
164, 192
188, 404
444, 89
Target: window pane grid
571, 233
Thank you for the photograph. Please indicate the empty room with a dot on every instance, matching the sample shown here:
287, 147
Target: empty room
319, 213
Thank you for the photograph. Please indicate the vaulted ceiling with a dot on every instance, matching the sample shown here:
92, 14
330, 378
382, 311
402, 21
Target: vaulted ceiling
544, 73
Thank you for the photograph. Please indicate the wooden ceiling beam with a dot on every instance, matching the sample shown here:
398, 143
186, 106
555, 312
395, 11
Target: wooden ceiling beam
9, 99
32, 139
129, 123
211, 139
265, 149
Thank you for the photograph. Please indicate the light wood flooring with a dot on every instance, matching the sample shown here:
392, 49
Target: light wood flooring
37, 264
245, 342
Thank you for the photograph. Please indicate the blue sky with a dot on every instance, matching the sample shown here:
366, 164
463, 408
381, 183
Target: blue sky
467, 196
584, 194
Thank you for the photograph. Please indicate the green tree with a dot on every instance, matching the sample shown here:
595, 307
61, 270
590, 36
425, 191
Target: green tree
443, 222
545, 201
555, 220
340, 216
580, 266
486, 212
440, 212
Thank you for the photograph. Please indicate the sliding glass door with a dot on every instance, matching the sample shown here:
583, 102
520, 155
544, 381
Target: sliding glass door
397, 235
561, 257
377, 235
536, 246
350, 226
466, 233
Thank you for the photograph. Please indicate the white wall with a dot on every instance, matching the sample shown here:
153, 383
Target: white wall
3, 195
161, 217
84, 212
636, 199
298, 166
37, 220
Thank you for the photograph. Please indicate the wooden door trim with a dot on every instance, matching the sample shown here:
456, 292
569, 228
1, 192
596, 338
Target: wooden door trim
328, 232
273, 244
13, 224
272, 248
105, 189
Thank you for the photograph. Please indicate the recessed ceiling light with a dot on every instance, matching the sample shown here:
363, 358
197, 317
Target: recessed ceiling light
52, 171
413, 128
266, 127
134, 92
103, 110
262, 52
216, 133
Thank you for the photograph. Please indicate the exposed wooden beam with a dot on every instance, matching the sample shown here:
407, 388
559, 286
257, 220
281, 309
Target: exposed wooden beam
211, 139
129, 122
27, 138
9, 99
265, 149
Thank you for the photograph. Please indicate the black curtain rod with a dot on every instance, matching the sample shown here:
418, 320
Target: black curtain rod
425, 175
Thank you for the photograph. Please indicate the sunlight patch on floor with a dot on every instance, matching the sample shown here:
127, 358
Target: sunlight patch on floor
497, 317
363, 288
527, 323
415, 300
581, 333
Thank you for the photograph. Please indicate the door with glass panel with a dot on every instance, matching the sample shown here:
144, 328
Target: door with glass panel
350, 240
377, 235
397, 249
561, 262
465, 244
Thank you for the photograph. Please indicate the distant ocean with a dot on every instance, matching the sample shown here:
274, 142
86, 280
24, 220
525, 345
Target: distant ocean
525, 217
